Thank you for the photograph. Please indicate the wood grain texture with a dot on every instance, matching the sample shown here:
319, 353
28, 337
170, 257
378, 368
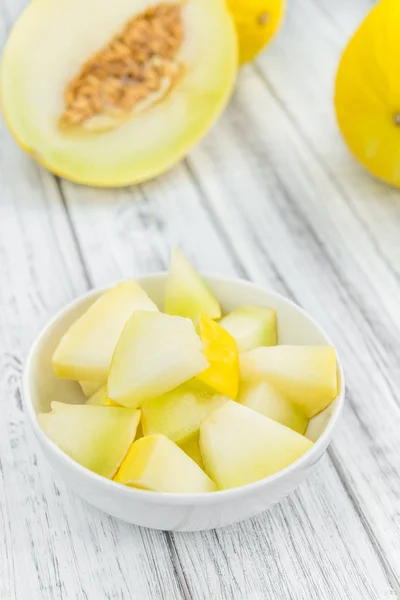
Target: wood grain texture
271, 195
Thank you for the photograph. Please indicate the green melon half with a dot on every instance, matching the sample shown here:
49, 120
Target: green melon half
47, 47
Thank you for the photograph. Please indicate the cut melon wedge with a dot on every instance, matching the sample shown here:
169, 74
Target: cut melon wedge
240, 446
269, 401
86, 349
178, 414
186, 293
155, 354
192, 448
116, 147
97, 437
221, 352
90, 387
100, 398
155, 463
306, 375
251, 326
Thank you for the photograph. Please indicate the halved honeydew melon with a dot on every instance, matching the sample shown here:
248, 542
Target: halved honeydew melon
178, 414
97, 437
118, 147
86, 349
155, 354
156, 464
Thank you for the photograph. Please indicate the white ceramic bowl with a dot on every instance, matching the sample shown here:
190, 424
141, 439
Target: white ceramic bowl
176, 512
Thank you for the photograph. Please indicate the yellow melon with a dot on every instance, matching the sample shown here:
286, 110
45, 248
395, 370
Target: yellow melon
367, 92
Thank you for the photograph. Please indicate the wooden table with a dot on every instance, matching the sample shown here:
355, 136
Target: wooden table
271, 194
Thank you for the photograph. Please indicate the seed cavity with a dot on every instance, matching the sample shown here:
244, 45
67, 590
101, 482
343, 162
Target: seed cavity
136, 69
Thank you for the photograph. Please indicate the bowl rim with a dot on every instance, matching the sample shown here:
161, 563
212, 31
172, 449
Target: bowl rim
219, 496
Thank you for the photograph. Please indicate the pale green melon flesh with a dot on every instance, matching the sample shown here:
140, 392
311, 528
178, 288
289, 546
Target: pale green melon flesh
97, 437
269, 401
251, 326
178, 414
157, 464
240, 446
86, 349
186, 293
41, 58
155, 354
306, 375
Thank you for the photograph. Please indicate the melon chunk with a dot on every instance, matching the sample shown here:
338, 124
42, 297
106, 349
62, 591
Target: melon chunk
100, 398
97, 437
138, 85
221, 352
186, 293
86, 349
90, 387
191, 447
155, 354
155, 463
269, 401
251, 326
178, 414
240, 446
306, 375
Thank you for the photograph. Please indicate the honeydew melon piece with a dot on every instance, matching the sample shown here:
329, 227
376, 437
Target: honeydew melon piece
97, 437
186, 293
90, 387
251, 326
178, 414
100, 398
306, 375
221, 352
86, 349
269, 401
192, 448
155, 463
116, 148
155, 354
240, 446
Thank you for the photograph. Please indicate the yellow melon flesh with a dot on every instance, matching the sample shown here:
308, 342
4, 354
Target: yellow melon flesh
186, 293
306, 375
269, 401
97, 437
155, 463
155, 354
221, 351
86, 349
240, 446
178, 414
41, 58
